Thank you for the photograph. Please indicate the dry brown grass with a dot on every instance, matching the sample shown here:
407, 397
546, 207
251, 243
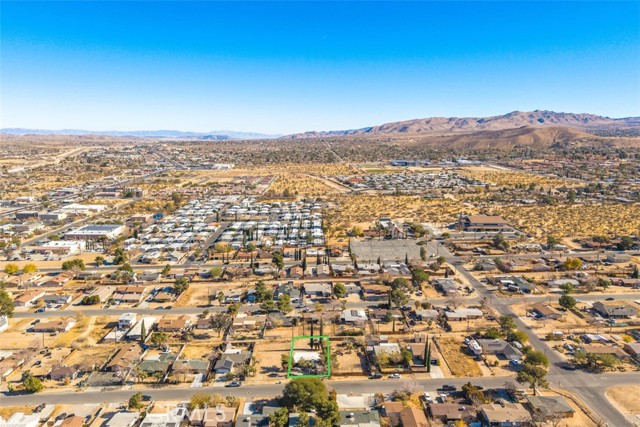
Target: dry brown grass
626, 398
7, 411
328, 169
575, 220
196, 351
461, 365
504, 178
300, 185
360, 209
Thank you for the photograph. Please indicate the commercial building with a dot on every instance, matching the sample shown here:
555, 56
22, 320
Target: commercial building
95, 232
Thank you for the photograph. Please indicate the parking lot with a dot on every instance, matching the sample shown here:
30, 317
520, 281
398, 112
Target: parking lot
386, 250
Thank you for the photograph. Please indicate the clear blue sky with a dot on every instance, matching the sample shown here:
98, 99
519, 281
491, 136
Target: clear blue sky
290, 67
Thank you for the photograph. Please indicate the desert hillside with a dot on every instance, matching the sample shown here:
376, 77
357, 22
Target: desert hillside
513, 120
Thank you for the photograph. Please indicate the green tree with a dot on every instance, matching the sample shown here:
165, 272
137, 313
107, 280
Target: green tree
493, 333
219, 322
233, 309
180, 285
262, 293
119, 256
552, 241
29, 268
90, 300
519, 336
419, 276
537, 358
339, 290
165, 270
269, 305
216, 272
32, 384
6, 304
507, 324
143, 331
99, 260
304, 394
303, 420
609, 360
279, 418
135, 401
158, 338
400, 283
357, 232
76, 263
534, 375
398, 297
572, 264
567, 288
499, 242
11, 268
200, 400
126, 268
626, 243
423, 253
284, 303
284, 361
567, 301
278, 261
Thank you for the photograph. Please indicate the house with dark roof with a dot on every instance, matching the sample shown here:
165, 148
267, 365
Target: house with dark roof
545, 311
230, 361
452, 412
287, 288
516, 284
549, 407
614, 309
359, 418
64, 372
318, 290
160, 363
633, 349
499, 347
601, 349
446, 286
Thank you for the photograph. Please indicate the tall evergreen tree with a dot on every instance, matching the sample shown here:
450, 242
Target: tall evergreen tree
143, 331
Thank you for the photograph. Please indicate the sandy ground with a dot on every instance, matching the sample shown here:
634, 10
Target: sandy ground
461, 365
626, 398
343, 361
268, 356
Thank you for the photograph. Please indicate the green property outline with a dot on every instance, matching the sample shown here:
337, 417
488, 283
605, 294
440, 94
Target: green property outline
308, 337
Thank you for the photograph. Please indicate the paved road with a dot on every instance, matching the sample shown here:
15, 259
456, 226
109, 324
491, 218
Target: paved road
112, 311
579, 382
268, 390
589, 387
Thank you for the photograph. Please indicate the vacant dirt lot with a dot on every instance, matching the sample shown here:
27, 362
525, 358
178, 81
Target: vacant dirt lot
345, 361
575, 220
196, 351
626, 398
268, 356
461, 364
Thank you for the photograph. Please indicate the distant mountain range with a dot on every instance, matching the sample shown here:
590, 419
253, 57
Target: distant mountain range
513, 120
451, 126
218, 135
